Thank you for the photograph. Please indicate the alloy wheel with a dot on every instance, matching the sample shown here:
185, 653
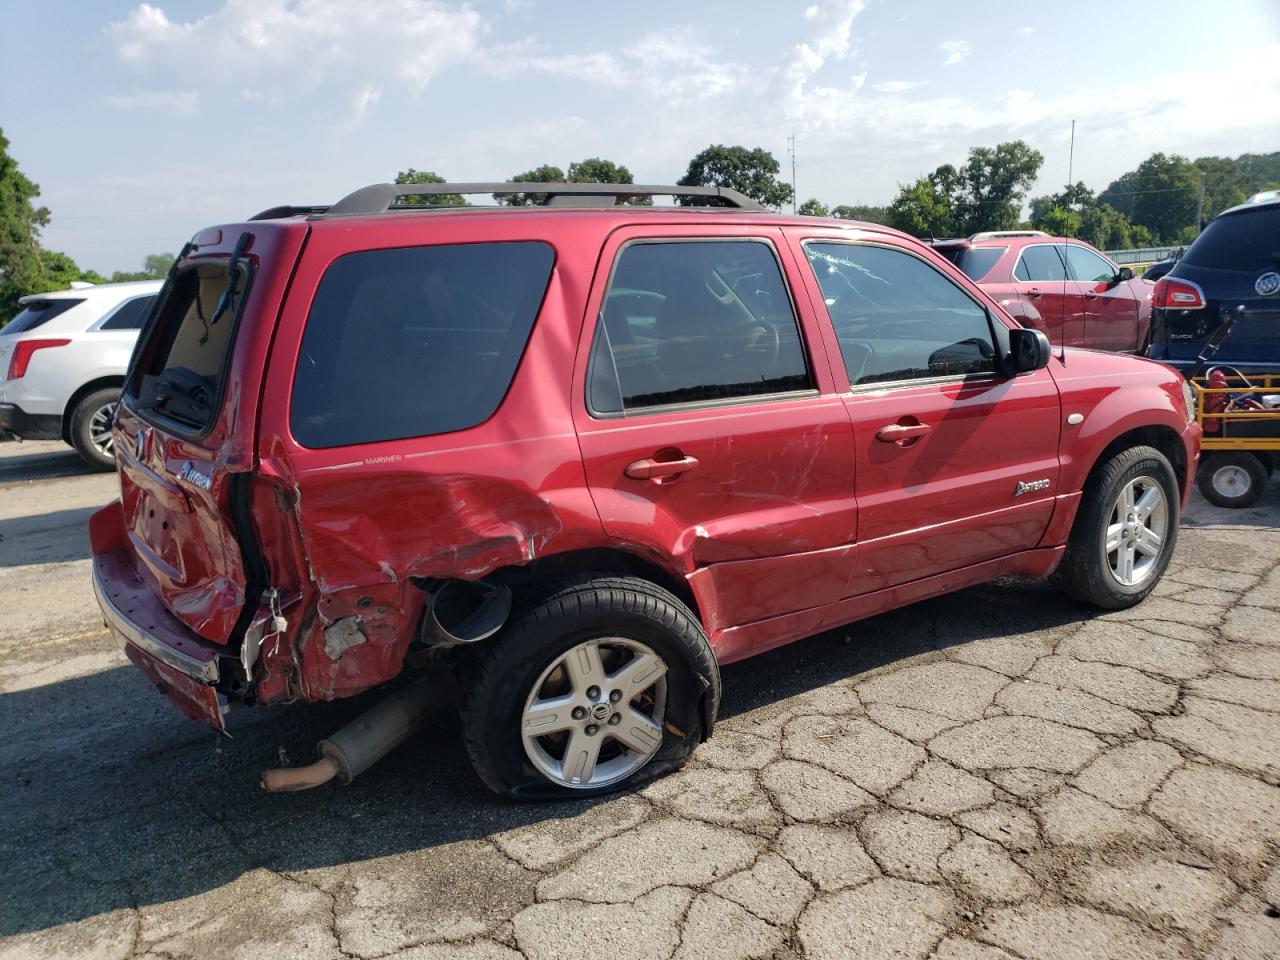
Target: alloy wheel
1136, 532
100, 430
595, 715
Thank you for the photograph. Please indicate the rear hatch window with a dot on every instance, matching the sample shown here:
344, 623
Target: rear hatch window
1248, 241
37, 312
415, 341
179, 374
975, 262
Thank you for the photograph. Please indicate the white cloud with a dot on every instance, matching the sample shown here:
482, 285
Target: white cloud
1027, 31
166, 101
284, 48
955, 50
830, 29
897, 86
671, 66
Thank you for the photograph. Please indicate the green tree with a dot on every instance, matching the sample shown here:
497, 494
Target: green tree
21, 268
25, 267
428, 199
992, 184
1226, 183
984, 194
863, 212
925, 208
753, 173
597, 170
155, 266
813, 207
1060, 222
543, 174
1162, 194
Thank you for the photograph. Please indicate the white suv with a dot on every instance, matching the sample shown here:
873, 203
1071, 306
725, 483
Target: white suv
63, 360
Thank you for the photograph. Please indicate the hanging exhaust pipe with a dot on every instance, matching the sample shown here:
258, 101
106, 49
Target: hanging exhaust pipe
361, 743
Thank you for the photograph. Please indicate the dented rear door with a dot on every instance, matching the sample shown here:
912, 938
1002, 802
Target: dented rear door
416, 427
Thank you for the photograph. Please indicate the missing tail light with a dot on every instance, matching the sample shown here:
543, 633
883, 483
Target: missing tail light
1177, 294
22, 352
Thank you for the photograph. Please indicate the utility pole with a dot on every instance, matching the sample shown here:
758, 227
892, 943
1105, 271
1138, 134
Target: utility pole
1200, 204
791, 149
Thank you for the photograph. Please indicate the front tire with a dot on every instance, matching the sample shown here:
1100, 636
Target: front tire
599, 683
91, 428
1125, 531
1232, 478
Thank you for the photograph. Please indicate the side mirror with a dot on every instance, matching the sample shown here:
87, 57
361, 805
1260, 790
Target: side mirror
1028, 350
1126, 273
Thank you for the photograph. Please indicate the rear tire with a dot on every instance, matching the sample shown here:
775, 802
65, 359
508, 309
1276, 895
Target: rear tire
91, 428
1125, 531
1232, 478
583, 651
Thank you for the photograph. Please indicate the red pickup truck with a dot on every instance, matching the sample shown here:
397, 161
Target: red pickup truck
1064, 287
583, 453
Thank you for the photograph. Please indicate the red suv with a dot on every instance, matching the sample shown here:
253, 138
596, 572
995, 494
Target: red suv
584, 452
1064, 287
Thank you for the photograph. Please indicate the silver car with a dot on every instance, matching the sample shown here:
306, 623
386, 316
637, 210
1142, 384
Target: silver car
63, 360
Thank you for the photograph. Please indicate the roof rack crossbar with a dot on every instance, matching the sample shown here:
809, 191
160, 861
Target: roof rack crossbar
382, 197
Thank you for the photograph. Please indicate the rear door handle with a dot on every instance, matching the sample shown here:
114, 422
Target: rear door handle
651, 469
1033, 293
897, 432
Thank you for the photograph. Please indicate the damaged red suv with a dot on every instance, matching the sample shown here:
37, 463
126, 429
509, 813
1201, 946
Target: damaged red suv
586, 451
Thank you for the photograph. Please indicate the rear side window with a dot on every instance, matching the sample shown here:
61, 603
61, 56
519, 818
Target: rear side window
694, 321
37, 312
130, 315
1040, 262
897, 317
975, 262
1087, 265
1248, 241
416, 341
179, 370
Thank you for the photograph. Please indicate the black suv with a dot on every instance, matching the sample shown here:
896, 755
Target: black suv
1232, 270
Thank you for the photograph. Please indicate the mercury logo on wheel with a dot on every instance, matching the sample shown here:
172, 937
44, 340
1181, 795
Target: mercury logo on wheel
1267, 284
600, 712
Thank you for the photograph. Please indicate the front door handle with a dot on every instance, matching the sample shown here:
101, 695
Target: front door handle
899, 432
650, 469
1091, 296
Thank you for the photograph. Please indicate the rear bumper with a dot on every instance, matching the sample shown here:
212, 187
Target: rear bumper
180, 665
29, 426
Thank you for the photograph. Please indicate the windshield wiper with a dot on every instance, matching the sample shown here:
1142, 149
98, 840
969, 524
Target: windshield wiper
236, 272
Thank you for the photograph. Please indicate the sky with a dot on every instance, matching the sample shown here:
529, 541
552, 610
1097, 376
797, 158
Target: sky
144, 122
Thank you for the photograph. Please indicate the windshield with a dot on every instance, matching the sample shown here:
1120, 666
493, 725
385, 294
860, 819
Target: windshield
37, 312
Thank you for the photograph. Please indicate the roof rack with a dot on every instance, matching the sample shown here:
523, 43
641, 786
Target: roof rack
287, 210
383, 197
992, 234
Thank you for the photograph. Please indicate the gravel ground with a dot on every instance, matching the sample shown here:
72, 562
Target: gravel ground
994, 774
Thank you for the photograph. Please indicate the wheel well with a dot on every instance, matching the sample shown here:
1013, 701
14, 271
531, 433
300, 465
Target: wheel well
86, 389
1162, 438
605, 560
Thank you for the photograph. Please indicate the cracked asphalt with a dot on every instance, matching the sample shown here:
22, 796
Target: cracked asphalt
994, 774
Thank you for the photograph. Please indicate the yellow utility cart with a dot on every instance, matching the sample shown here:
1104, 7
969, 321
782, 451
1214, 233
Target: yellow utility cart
1240, 416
